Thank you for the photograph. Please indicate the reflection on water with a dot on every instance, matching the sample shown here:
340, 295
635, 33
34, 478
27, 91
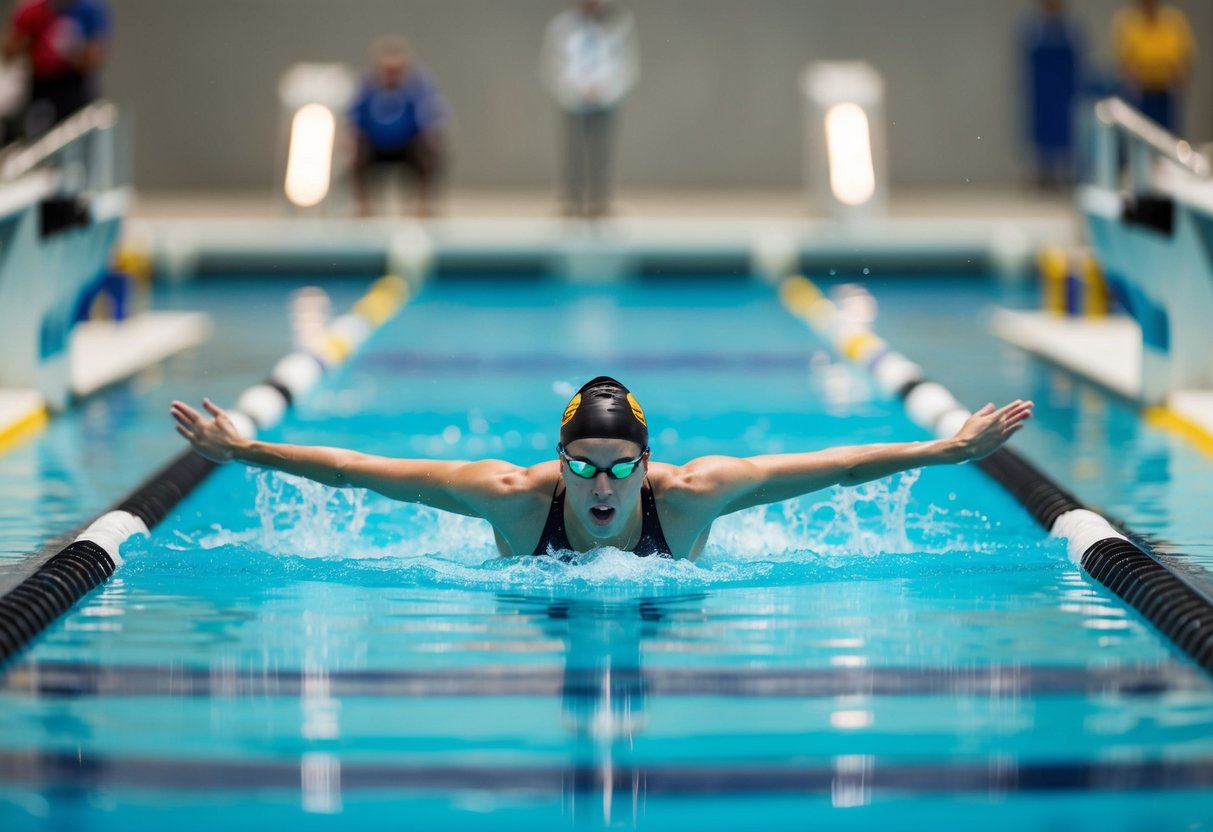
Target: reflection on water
604, 691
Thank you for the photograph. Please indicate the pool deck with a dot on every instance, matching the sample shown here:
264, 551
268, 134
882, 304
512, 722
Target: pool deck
1005, 204
768, 229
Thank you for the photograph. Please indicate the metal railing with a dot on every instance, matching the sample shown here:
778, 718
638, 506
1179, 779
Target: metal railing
82, 147
1121, 129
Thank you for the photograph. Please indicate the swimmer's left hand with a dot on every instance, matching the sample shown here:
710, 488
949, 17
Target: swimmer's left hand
216, 439
988, 429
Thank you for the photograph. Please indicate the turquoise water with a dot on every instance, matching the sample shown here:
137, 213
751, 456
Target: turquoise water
914, 653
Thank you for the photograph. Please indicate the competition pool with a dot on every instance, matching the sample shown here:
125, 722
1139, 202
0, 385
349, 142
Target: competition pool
915, 653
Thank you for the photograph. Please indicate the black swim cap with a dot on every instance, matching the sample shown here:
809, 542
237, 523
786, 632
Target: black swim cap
604, 409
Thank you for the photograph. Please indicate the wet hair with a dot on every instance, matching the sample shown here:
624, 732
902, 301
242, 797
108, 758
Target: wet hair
604, 409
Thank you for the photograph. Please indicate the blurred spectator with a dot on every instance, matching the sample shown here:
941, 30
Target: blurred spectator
398, 119
1052, 49
1154, 50
589, 63
64, 42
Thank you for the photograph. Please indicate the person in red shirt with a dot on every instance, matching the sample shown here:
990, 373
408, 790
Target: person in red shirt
64, 42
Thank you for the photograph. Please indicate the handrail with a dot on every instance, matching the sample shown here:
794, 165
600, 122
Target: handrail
101, 115
1114, 112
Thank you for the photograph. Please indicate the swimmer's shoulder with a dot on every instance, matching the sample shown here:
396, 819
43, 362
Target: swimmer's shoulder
688, 499
504, 480
516, 501
695, 480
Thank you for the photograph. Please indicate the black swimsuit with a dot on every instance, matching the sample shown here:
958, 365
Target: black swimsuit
652, 539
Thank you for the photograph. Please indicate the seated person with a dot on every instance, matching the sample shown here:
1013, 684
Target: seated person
397, 119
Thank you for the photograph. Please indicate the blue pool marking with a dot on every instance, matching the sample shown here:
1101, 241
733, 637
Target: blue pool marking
406, 361
77, 679
999, 776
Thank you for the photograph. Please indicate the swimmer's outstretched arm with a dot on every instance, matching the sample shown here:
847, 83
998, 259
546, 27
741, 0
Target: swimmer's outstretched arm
477, 489
735, 484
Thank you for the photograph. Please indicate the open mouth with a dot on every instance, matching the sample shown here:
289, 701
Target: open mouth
602, 514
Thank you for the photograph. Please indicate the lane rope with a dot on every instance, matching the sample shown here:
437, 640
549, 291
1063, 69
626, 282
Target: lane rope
1177, 609
89, 560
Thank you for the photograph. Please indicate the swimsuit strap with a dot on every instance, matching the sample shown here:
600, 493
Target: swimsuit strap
554, 537
652, 539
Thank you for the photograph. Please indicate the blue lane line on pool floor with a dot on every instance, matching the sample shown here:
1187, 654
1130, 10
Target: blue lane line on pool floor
1000, 775
77, 679
408, 361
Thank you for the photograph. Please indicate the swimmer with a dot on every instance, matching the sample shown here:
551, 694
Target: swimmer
602, 489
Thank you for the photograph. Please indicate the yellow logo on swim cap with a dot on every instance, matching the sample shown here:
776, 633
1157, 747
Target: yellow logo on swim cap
571, 410
636, 410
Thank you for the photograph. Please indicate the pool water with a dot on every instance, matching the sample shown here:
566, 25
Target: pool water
915, 652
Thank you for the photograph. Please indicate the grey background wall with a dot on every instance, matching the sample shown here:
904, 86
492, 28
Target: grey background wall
717, 105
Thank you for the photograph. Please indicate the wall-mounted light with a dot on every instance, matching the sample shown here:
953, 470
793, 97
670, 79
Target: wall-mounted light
844, 138
312, 99
849, 149
309, 161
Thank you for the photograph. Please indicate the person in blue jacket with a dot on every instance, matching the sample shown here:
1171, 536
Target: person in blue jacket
398, 120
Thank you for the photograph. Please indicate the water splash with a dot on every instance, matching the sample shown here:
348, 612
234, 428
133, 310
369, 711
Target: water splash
872, 531
876, 518
297, 517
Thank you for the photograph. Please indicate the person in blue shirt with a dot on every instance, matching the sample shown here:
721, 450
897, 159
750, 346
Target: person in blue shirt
1052, 49
398, 120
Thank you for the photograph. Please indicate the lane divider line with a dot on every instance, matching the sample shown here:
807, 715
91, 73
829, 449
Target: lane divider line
89, 560
1177, 609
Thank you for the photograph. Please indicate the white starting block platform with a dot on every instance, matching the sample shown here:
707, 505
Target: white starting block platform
105, 353
1105, 351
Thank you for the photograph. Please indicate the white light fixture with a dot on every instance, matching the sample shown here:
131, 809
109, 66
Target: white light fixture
844, 139
309, 163
849, 148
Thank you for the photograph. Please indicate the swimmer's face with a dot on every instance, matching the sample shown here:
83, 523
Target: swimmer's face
605, 506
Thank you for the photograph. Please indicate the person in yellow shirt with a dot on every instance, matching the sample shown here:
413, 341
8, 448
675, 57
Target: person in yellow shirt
1154, 50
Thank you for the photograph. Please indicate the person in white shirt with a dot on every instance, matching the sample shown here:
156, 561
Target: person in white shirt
590, 63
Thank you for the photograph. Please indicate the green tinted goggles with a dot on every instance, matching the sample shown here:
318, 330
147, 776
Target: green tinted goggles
587, 470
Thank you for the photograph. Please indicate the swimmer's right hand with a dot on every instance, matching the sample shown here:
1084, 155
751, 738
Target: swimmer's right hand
216, 439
